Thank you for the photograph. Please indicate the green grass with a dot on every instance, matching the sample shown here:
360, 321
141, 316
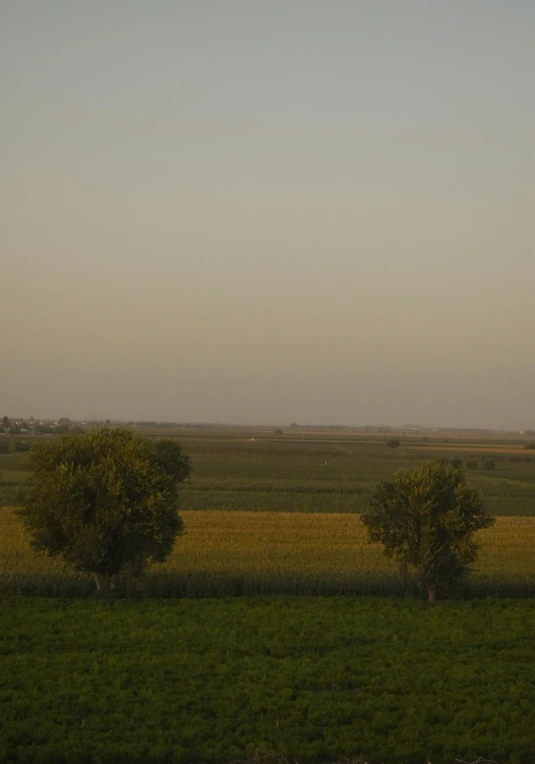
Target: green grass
314, 680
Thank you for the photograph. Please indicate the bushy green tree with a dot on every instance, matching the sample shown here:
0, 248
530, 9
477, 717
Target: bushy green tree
426, 518
393, 443
105, 501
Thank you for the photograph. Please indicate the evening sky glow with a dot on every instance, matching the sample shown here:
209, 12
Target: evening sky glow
265, 212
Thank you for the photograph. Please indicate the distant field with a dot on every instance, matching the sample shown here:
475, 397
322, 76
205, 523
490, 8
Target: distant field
251, 553
324, 472
336, 474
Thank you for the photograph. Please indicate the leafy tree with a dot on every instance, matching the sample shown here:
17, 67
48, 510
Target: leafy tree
488, 464
426, 518
105, 501
393, 443
5, 421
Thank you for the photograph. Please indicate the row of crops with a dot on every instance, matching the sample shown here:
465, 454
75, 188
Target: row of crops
314, 680
226, 554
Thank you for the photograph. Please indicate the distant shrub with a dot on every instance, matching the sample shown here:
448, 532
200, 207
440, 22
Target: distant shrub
457, 463
472, 464
488, 464
530, 445
393, 443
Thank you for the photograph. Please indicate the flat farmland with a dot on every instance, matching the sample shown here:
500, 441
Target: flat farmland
275, 632
267, 513
312, 679
275, 553
328, 473
258, 470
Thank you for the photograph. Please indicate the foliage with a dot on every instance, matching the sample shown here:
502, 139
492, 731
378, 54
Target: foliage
393, 443
426, 518
530, 445
315, 680
105, 501
488, 464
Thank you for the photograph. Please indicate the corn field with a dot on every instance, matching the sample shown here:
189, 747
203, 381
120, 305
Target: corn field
248, 553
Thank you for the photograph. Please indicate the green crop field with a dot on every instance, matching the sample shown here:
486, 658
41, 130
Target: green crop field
316, 473
319, 472
311, 679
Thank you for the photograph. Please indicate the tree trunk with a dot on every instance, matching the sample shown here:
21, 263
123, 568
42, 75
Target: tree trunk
100, 581
105, 582
431, 592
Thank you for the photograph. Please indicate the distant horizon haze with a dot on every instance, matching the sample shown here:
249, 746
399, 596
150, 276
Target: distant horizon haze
286, 211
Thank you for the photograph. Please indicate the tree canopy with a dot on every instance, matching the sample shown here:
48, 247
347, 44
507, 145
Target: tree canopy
426, 518
105, 501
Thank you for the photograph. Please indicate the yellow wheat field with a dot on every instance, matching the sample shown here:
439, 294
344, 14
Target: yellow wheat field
286, 552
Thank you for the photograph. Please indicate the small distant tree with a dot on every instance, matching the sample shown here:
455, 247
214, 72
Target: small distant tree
530, 445
278, 431
472, 464
5, 422
488, 464
426, 518
105, 501
393, 443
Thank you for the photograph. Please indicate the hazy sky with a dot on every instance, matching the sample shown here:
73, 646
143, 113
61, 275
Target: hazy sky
268, 211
